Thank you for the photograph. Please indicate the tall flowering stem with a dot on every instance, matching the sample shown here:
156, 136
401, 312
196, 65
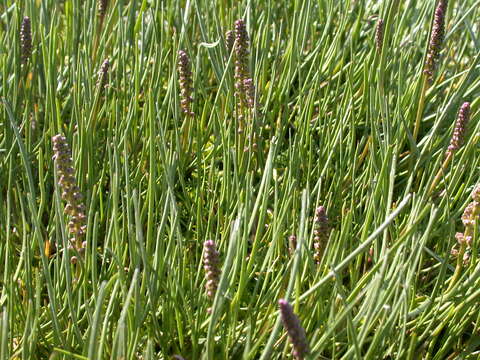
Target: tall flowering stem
211, 260
321, 233
436, 39
25, 40
75, 207
456, 142
244, 86
434, 47
469, 218
294, 329
241, 63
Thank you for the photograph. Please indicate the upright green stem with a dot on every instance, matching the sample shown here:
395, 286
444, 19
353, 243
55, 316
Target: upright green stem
420, 108
440, 172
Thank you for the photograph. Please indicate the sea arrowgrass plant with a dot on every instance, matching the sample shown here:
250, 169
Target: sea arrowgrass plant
335, 118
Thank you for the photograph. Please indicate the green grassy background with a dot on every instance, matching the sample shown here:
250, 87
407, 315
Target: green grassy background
334, 128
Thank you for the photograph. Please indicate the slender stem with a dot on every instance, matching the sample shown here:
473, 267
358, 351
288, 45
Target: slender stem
440, 172
420, 108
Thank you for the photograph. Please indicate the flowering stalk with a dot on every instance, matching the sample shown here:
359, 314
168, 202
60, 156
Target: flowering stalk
379, 35
210, 264
294, 329
465, 239
434, 47
70, 193
436, 39
455, 142
102, 81
25, 40
321, 233
186, 100
241, 64
186, 83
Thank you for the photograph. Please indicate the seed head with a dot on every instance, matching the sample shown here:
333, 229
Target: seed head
436, 39
241, 62
210, 264
321, 233
460, 128
25, 39
249, 88
103, 74
75, 207
294, 329
186, 83
379, 35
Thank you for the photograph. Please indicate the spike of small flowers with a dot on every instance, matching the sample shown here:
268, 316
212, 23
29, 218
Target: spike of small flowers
469, 219
103, 74
75, 207
436, 39
186, 83
211, 265
379, 35
249, 88
294, 329
241, 62
25, 39
460, 128
321, 233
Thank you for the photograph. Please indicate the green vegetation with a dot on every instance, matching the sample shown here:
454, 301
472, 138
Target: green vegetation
313, 146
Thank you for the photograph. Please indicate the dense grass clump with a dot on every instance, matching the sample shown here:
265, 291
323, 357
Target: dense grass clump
239, 180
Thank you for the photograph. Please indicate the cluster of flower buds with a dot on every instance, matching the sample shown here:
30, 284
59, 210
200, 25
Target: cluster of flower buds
294, 329
25, 40
102, 81
436, 39
460, 128
321, 232
469, 219
186, 83
211, 265
75, 207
